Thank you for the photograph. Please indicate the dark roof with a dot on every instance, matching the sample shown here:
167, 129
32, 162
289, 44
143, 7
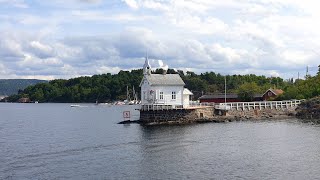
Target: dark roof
222, 96
218, 96
167, 79
275, 91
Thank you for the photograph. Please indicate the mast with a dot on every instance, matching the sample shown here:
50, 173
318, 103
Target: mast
134, 94
225, 89
128, 94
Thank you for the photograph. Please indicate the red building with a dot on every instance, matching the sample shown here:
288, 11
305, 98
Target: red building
271, 94
220, 98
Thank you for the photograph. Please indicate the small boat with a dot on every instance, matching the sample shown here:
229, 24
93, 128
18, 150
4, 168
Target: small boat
75, 105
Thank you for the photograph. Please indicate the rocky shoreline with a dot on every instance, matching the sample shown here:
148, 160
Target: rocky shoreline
309, 110
230, 116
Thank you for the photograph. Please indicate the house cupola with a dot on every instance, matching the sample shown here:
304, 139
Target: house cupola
146, 67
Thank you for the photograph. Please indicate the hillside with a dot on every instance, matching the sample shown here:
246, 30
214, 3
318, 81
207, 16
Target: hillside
12, 86
111, 87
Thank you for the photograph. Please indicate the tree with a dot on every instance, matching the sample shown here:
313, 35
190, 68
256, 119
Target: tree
247, 91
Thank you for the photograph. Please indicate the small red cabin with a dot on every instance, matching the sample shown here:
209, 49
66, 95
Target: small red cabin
271, 94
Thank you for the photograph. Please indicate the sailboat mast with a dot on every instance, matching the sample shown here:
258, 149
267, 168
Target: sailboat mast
128, 95
133, 93
225, 89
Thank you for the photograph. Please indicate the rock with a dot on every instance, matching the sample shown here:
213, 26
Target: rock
309, 110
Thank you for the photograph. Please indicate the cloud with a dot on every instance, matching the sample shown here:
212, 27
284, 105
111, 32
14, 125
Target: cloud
85, 37
14, 3
90, 1
132, 4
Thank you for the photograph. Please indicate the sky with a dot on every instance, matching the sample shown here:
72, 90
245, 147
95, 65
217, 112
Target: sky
71, 38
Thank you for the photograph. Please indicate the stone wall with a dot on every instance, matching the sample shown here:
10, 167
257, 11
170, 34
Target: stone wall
175, 116
201, 115
261, 114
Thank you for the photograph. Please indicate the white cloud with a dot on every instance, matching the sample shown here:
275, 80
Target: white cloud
105, 69
39, 46
3, 70
14, 3
90, 1
132, 4
269, 37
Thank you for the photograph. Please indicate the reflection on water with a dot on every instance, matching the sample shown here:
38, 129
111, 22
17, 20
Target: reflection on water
54, 141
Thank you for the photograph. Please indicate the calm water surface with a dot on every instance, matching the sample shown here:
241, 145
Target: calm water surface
55, 141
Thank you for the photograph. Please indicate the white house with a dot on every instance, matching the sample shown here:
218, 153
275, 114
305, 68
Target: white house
163, 89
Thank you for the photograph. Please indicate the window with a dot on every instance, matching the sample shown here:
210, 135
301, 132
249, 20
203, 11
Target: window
173, 95
161, 96
144, 95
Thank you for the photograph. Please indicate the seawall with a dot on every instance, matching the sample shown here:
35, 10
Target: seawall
176, 116
257, 114
210, 114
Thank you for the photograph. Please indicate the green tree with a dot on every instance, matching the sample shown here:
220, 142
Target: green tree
247, 91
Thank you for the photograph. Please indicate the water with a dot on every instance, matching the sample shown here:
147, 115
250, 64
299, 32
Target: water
55, 141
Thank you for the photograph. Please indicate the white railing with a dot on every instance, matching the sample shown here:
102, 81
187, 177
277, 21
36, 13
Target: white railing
198, 104
258, 105
159, 107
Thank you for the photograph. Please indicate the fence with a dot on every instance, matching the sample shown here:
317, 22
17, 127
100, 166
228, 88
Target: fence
160, 107
258, 105
226, 106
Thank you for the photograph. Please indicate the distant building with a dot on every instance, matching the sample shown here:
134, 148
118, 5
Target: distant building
24, 100
271, 94
2, 97
163, 89
220, 98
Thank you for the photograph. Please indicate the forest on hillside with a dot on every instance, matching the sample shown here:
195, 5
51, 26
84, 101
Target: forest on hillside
12, 86
111, 87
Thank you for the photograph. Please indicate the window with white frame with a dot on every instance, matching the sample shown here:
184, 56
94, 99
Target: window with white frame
161, 95
174, 95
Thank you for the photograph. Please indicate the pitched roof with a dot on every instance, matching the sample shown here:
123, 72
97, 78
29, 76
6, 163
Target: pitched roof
278, 91
228, 96
275, 91
187, 91
167, 79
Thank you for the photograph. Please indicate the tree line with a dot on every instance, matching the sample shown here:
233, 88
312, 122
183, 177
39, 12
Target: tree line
111, 87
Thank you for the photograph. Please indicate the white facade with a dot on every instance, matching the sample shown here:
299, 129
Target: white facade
166, 95
186, 97
165, 89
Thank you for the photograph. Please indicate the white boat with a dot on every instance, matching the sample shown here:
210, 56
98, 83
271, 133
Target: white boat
75, 105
